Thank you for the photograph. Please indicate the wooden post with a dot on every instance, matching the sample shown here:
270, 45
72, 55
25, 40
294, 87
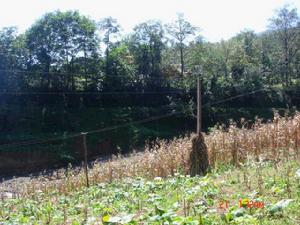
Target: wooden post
199, 105
199, 163
85, 158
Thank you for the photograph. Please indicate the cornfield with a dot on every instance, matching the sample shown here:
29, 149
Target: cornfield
275, 140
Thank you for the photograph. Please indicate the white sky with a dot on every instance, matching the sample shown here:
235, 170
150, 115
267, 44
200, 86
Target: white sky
218, 19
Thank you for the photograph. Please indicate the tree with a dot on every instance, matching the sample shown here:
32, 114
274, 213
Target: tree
122, 67
248, 38
266, 64
148, 40
225, 50
111, 28
13, 56
181, 30
57, 39
286, 25
7, 37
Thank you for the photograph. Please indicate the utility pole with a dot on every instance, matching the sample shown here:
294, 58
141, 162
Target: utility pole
199, 105
85, 158
199, 163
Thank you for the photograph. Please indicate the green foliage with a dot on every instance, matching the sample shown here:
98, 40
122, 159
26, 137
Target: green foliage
57, 39
66, 52
181, 200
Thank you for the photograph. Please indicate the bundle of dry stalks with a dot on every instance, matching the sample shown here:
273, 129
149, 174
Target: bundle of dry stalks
273, 141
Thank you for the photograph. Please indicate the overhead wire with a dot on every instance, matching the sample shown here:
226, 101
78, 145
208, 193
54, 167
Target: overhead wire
43, 141
234, 97
95, 75
153, 118
95, 93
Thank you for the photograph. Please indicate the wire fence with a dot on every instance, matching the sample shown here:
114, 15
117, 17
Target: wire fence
76, 135
49, 140
153, 118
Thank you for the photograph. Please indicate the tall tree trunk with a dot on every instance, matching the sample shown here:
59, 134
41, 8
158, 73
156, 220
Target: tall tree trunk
286, 59
181, 58
107, 68
72, 71
85, 70
47, 74
107, 61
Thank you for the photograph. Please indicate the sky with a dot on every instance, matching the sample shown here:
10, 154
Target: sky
217, 19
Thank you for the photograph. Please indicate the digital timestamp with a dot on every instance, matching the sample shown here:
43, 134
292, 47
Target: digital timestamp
243, 203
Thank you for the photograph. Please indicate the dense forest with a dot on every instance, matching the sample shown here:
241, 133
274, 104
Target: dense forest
68, 73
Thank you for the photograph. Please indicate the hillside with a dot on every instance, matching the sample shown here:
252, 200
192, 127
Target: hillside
258, 162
